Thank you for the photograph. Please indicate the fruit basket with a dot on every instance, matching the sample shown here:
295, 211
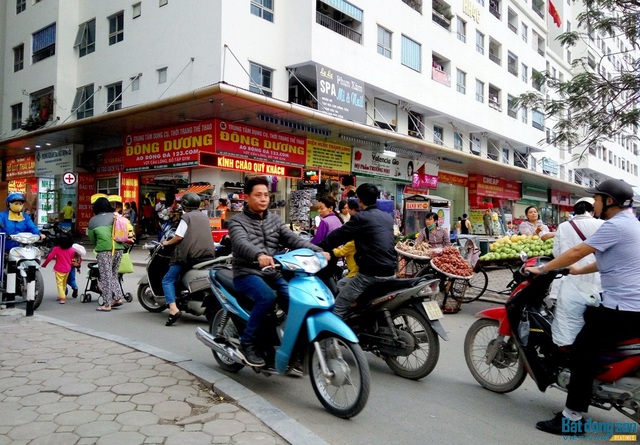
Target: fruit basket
450, 275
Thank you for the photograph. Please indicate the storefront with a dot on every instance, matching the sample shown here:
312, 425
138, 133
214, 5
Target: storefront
454, 189
562, 205
533, 195
496, 194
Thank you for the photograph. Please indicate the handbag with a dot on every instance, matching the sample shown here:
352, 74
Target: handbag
126, 265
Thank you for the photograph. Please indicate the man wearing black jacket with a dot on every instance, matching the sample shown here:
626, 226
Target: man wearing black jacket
372, 231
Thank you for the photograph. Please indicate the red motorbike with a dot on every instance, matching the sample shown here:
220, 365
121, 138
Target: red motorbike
507, 340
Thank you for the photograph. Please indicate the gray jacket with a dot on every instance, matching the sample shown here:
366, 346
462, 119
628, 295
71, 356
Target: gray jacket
253, 234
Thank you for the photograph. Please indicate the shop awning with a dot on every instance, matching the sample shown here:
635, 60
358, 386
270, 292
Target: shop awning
197, 189
432, 198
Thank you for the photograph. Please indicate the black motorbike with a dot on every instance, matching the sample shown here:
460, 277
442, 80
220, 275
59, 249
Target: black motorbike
53, 233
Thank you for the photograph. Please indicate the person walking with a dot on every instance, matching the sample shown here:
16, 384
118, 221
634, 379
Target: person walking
63, 255
67, 212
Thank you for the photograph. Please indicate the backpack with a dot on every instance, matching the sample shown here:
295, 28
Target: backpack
120, 232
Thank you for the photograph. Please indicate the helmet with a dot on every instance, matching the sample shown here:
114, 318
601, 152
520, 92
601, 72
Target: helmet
586, 199
620, 191
13, 197
190, 201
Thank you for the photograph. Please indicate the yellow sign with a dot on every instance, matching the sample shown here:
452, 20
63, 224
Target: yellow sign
328, 156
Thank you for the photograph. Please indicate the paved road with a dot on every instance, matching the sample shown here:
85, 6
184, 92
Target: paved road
446, 407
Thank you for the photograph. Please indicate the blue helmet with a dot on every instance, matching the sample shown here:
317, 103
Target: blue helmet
13, 197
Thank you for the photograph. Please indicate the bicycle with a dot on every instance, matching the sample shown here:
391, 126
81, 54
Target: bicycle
479, 282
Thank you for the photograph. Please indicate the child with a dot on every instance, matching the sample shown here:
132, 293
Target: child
63, 255
79, 251
347, 251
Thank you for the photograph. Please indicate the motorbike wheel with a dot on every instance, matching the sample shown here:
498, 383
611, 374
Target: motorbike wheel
345, 393
230, 331
424, 358
39, 290
147, 301
506, 371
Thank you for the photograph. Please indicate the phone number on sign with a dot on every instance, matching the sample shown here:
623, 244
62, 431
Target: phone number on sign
185, 155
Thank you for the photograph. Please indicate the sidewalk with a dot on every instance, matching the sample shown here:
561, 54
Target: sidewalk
64, 384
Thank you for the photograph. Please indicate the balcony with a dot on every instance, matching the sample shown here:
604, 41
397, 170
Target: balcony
440, 76
493, 103
337, 27
495, 58
414, 4
441, 20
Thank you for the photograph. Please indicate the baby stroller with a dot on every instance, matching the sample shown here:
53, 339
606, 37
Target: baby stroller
93, 274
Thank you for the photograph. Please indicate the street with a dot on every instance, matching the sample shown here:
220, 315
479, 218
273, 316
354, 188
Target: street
448, 406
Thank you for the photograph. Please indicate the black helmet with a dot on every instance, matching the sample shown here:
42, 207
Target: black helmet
620, 191
190, 201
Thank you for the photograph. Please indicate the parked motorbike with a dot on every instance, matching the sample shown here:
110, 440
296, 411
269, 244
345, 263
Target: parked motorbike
23, 278
307, 337
399, 321
193, 287
53, 232
507, 340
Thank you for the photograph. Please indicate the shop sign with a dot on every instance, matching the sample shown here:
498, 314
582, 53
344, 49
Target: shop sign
257, 143
413, 205
168, 148
549, 166
84, 212
23, 167
340, 95
449, 178
46, 200
424, 181
369, 163
55, 161
493, 187
311, 177
534, 192
18, 186
111, 162
328, 156
248, 165
129, 187
560, 198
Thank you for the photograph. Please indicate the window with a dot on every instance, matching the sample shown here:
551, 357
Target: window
108, 186
161, 3
262, 8
44, 43
16, 116
438, 135
479, 91
457, 141
537, 120
512, 110
461, 81
524, 32
512, 63
261, 79
525, 73
116, 28
384, 42
512, 21
86, 38
524, 115
385, 114
135, 83
21, 5
474, 144
83, 102
479, 42
505, 155
495, 100
415, 126
137, 10
114, 96
462, 30
411, 54
18, 58
162, 75
40, 109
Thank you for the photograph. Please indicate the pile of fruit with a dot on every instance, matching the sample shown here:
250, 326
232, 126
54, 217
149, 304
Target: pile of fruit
412, 248
509, 247
450, 261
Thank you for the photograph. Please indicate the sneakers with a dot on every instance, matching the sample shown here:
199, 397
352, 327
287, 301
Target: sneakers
562, 426
61, 300
251, 355
75, 293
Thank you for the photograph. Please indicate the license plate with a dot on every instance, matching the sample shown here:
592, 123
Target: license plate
433, 310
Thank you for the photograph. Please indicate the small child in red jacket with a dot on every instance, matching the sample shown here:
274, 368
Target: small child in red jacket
63, 254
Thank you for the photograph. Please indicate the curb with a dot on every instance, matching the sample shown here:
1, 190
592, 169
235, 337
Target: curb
288, 428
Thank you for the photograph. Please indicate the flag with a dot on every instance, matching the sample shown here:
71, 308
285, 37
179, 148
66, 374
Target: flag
553, 12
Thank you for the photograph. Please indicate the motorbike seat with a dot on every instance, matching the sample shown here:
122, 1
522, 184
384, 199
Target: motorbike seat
386, 287
201, 263
224, 276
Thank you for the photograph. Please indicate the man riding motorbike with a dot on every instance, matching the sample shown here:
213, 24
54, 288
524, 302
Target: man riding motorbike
615, 246
256, 235
372, 231
194, 244
13, 220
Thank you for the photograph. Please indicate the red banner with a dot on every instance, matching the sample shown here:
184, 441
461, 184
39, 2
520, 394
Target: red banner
23, 167
168, 148
256, 143
86, 188
129, 187
111, 162
247, 165
494, 187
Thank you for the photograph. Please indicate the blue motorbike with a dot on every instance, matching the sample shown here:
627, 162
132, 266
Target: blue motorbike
300, 335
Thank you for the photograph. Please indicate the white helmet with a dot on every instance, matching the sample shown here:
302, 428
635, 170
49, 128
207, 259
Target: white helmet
586, 199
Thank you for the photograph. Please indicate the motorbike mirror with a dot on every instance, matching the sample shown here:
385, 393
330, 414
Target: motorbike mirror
523, 256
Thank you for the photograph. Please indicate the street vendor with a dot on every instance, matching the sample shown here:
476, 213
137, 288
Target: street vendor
433, 234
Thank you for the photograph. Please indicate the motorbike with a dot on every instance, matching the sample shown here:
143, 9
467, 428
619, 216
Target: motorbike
399, 321
300, 335
508, 340
193, 287
23, 277
52, 232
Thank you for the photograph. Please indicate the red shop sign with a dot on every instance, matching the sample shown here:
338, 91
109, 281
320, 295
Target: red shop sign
257, 143
494, 187
249, 165
111, 162
86, 188
23, 167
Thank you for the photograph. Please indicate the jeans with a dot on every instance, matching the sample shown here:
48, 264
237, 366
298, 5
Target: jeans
350, 292
169, 282
264, 296
71, 279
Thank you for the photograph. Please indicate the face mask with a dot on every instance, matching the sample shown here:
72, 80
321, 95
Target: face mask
432, 226
16, 207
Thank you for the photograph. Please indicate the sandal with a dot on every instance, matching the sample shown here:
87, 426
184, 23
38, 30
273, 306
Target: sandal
103, 309
117, 303
173, 318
